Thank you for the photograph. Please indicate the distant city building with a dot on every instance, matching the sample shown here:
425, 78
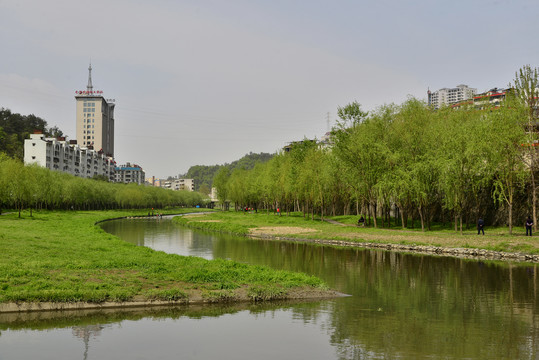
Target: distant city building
177, 184
95, 119
447, 96
493, 97
213, 194
184, 184
151, 181
60, 155
129, 173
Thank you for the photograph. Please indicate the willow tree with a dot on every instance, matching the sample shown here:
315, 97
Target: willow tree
414, 141
350, 117
462, 151
527, 93
506, 135
20, 185
220, 183
4, 179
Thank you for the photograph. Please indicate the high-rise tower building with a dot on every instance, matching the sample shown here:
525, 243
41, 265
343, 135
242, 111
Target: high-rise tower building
95, 119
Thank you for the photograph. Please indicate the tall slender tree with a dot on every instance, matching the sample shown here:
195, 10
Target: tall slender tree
527, 93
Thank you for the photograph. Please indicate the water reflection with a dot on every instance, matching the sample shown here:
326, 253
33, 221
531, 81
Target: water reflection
85, 333
405, 303
402, 306
233, 331
163, 235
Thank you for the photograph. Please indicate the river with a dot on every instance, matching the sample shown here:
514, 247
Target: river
402, 306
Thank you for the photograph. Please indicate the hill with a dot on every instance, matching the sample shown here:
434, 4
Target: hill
203, 174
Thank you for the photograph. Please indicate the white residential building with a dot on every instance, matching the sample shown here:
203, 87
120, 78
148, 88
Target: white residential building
177, 184
448, 96
60, 155
183, 184
129, 173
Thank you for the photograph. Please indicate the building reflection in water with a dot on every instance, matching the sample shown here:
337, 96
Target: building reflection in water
85, 333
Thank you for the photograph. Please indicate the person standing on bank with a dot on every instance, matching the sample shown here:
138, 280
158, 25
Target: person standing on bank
529, 224
480, 226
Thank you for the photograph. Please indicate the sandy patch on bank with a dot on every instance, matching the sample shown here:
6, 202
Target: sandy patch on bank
280, 230
190, 216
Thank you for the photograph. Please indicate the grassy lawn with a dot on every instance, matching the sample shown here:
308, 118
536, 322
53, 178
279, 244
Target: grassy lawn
64, 257
296, 226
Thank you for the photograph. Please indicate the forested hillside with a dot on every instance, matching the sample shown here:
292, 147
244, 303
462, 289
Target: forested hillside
203, 174
14, 128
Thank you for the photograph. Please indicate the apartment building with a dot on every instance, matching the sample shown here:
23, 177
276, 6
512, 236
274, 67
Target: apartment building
129, 173
61, 155
447, 96
176, 184
492, 97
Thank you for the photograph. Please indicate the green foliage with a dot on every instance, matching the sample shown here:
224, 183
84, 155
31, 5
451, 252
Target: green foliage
15, 128
167, 294
433, 165
34, 187
63, 257
264, 293
224, 227
204, 174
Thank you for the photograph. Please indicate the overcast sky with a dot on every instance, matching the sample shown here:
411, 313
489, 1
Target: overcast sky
203, 82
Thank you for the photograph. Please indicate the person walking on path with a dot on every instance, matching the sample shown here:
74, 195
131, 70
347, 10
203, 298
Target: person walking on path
529, 224
480, 226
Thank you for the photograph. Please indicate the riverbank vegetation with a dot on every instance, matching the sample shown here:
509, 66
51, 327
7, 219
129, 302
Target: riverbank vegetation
35, 188
62, 257
343, 228
406, 163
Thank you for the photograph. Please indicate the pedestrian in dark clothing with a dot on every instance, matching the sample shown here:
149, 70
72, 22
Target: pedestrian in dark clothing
480, 226
529, 224
361, 221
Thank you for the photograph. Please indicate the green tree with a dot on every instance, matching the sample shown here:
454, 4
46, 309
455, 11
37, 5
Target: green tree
527, 93
220, 182
461, 153
350, 115
506, 136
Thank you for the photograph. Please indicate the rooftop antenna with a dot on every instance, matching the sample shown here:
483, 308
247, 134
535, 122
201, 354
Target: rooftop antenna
89, 87
328, 127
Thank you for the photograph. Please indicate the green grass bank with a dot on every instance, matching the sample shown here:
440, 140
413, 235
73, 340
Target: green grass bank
295, 226
63, 258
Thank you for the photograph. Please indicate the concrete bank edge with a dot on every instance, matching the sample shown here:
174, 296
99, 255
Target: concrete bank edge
465, 253
60, 306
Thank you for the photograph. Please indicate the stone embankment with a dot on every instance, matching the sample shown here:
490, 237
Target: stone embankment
466, 253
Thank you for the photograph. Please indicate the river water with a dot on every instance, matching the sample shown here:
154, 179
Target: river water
402, 306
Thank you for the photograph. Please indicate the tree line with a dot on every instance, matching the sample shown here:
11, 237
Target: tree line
35, 187
406, 162
204, 174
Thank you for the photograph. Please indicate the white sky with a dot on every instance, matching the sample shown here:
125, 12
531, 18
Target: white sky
203, 82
